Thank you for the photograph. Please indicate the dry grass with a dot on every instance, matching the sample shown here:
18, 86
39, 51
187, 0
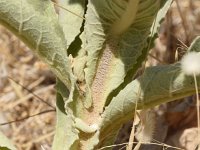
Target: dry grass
17, 62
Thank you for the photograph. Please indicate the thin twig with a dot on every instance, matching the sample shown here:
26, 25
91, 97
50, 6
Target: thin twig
132, 135
186, 47
39, 98
68, 10
18, 120
149, 143
160, 61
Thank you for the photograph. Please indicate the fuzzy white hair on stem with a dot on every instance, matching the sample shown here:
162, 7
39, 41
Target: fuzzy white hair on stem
146, 128
190, 63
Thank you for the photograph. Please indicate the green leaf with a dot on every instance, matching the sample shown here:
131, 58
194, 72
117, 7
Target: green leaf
35, 22
70, 22
66, 136
112, 56
157, 85
4, 148
195, 45
5, 144
164, 6
70, 129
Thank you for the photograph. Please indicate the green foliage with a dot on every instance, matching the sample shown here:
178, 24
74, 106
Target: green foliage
36, 23
71, 24
4, 148
66, 136
95, 59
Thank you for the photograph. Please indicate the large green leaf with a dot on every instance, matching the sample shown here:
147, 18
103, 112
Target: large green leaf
36, 23
157, 85
66, 135
111, 56
71, 23
164, 6
5, 144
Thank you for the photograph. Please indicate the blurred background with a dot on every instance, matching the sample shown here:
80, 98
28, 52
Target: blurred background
175, 122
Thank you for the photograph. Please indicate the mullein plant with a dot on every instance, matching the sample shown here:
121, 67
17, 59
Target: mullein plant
94, 56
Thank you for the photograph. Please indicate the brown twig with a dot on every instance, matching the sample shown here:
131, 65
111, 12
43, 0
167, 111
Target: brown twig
68, 10
18, 120
39, 98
